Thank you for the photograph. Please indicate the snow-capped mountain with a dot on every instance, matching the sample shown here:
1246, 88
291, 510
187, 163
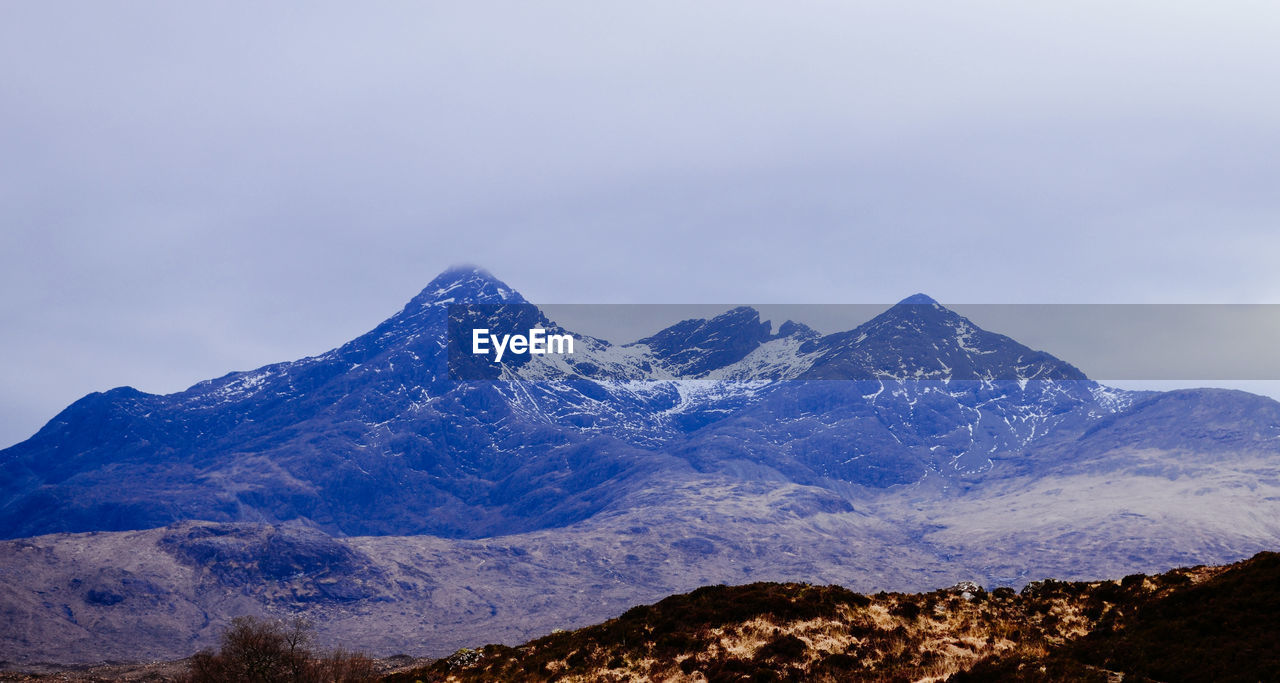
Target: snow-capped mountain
374, 437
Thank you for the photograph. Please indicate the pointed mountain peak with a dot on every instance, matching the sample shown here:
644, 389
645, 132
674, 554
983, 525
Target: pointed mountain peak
918, 338
917, 312
468, 284
425, 316
920, 314
463, 270
917, 299
457, 285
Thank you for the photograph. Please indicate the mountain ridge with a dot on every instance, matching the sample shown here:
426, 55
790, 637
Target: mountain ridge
380, 391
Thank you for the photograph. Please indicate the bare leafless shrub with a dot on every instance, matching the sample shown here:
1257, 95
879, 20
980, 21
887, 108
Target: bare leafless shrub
344, 667
255, 650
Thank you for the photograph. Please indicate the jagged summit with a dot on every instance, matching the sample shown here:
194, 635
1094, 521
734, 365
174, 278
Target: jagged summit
919, 313
467, 284
918, 338
695, 346
793, 328
425, 313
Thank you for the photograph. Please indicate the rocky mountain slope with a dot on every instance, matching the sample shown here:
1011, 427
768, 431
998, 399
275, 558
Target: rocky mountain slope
410, 512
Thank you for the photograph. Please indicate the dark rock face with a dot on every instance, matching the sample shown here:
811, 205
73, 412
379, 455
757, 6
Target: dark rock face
103, 597
919, 338
695, 347
318, 567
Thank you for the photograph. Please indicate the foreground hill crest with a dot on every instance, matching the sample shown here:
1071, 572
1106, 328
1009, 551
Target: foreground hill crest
1193, 624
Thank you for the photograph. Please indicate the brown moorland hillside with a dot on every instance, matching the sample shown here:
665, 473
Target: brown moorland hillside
1191, 624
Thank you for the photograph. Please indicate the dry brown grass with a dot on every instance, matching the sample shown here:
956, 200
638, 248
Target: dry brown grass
799, 632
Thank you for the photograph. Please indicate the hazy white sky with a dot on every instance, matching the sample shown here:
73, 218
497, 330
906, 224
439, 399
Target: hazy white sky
189, 190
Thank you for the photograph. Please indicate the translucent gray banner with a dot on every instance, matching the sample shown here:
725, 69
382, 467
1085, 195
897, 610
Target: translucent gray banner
914, 339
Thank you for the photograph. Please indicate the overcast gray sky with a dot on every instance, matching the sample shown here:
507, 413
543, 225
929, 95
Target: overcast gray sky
186, 191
